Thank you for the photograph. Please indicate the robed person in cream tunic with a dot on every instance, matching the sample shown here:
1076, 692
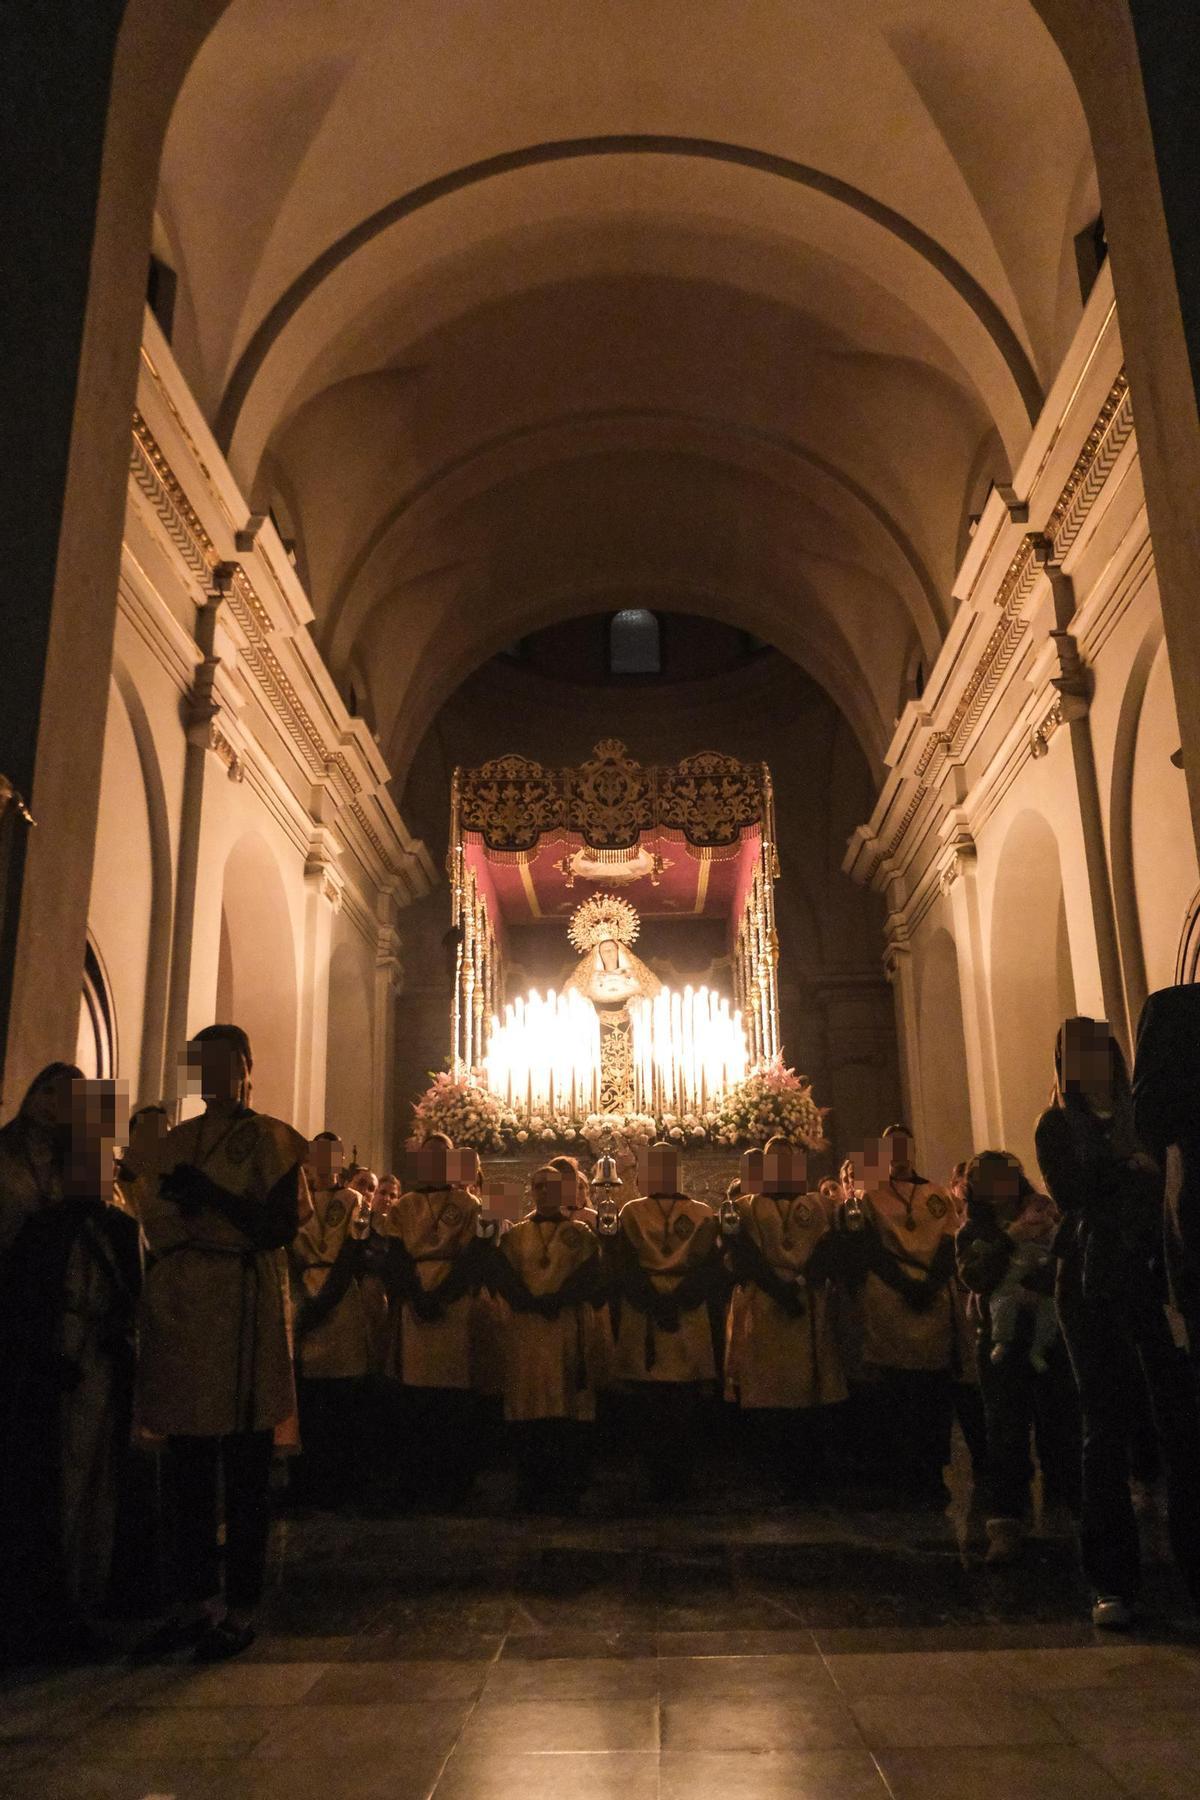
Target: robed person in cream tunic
433, 1341
911, 1309
338, 1345
782, 1348
550, 1356
215, 1345
668, 1241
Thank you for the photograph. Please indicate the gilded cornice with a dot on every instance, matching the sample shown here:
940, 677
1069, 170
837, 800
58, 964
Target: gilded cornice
157, 481
1103, 445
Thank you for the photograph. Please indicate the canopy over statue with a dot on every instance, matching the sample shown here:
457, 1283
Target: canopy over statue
692, 840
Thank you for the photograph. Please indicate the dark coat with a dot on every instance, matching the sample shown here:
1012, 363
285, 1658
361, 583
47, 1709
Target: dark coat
1111, 1202
1166, 1106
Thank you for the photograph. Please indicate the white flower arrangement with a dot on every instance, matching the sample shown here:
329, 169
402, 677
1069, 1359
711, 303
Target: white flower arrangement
462, 1107
772, 1101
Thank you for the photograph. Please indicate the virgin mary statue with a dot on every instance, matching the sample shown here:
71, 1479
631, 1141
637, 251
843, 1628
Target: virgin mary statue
610, 975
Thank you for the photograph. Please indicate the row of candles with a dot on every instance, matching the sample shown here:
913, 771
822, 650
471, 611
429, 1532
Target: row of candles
688, 1047
544, 1054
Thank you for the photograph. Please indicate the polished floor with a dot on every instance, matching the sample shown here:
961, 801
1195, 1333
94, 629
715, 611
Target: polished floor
739, 1651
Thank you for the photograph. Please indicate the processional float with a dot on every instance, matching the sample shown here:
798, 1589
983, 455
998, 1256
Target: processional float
597, 848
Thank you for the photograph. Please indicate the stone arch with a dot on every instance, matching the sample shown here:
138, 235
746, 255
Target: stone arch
1032, 983
1121, 825
1162, 866
129, 906
942, 1046
162, 877
256, 969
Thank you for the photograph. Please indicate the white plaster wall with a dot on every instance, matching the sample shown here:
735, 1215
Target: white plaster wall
251, 891
1032, 978
947, 1137
1164, 855
119, 909
349, 1076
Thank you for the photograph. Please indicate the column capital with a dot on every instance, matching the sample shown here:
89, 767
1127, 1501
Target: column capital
959, 859
389, 963
321, 867
897, 946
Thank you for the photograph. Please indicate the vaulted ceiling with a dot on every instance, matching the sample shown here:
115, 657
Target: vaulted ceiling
510, 310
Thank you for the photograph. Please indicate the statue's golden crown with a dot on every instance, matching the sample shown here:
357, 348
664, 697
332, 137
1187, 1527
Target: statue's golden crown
603, 918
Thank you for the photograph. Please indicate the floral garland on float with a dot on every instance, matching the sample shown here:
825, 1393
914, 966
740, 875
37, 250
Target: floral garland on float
771, 1101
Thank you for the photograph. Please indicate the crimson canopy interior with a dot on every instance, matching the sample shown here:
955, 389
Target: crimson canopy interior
693, 839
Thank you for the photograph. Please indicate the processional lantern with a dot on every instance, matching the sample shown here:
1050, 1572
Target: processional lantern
535, 846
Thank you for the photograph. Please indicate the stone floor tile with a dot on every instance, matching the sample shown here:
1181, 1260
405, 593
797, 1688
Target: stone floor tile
788, 1641
1163, 1770
1105, 1665
984, 1634
970, 1718
618, 1775
234, 1684
1098, 1715
527, 1726
578, 1678
368, 1774
182, 1733
1044, 1772
75, 1779
361, 1683
573, 1646
767, 1677
770, 1775
336, 1731
447, 1645
278, 1647
805, 1722
922, 1671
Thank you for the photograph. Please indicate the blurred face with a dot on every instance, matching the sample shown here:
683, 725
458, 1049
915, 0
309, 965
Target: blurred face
427, 1165
99, 1121
998, 1183
553, 1194
1087, 1062
217, 1070
325, 1159
900, 1153
785, 1170
872, 1163
387, 1191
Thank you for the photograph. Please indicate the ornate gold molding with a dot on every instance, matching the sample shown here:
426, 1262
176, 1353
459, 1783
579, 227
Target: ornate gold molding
1092, 467
611, 801
156, 479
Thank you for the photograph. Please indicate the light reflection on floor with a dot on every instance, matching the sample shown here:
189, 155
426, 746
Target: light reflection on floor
745, 1652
